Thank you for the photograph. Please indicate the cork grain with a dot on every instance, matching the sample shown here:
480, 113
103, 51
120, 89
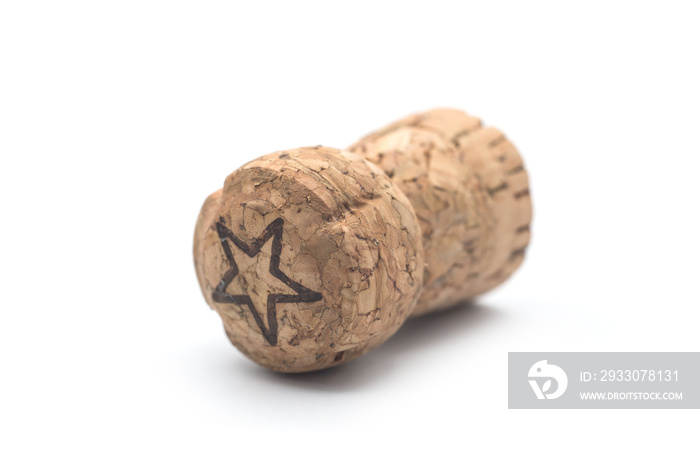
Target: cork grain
471, 195
329, 237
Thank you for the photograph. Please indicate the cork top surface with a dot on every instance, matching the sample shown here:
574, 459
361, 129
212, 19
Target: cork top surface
310, 256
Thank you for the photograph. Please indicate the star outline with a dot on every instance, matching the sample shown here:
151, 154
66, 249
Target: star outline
273, 230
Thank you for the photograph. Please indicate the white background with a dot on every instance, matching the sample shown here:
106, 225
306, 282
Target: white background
117, 119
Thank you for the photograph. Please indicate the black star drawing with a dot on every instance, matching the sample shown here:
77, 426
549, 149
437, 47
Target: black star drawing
273, 230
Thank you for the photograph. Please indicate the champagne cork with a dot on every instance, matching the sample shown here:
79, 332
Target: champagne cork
315, 256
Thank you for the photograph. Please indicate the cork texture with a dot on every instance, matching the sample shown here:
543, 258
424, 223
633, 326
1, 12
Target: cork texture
311, 257
470, 192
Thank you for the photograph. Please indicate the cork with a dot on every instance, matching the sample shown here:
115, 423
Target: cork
469, 188
311, 257
314, 256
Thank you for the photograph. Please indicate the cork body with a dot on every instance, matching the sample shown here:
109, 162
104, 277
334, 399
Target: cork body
311, 257
470, 192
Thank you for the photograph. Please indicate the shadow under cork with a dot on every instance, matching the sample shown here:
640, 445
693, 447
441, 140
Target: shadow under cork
415, 336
